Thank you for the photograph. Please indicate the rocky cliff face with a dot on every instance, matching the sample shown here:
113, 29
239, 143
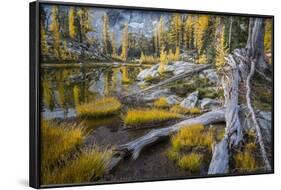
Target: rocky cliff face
140, 22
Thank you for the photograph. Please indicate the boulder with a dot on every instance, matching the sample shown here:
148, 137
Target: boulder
191, 100
182, 66
208, 103
211, 75
173, 99
152, 71
157, 94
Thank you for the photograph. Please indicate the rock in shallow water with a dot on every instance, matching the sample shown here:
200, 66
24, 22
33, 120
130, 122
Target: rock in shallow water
152, 71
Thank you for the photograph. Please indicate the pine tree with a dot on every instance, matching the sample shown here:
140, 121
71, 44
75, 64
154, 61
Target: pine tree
105, 34
221, 49
54, 27
175, 32
125, 43
200, 28
72, 27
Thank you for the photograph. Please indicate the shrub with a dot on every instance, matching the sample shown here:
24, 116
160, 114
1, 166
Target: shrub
191, 162
99, 108
148, 59
89, 165
143, 116
161, 103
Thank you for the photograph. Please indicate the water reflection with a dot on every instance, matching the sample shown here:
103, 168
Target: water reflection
63, 89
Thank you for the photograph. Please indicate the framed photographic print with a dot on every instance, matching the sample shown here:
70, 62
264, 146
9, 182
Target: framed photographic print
129, 94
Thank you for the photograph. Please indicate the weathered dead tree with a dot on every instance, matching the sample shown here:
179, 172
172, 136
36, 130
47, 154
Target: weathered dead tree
134, 147
233, 132
188, 73
242, 61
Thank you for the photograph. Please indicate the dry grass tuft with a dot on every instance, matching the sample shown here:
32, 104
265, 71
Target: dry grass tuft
99, 108
161, 103
143, 116
192, 136
191, 162
182, 110
57, 141
63, 160
245, 160
89, 165
188, 144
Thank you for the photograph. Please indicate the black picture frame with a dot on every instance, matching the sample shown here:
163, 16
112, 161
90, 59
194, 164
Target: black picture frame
34, 90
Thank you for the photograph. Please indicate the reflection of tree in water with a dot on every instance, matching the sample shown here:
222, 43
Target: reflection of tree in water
48, 96
66, 88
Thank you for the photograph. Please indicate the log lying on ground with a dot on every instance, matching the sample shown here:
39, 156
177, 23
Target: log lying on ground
172, 79
134, 147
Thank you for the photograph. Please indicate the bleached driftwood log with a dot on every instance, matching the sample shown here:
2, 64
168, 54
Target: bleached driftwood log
134, 147
188, 73
242, 61
233, 132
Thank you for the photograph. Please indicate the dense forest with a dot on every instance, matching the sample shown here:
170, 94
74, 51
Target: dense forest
67, 34
136, 95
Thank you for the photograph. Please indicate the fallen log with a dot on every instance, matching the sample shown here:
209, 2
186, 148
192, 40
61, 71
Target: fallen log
172, 79
132, 149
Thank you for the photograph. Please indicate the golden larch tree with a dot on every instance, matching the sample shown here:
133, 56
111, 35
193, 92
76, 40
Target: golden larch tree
43, 41
125, 43
55, 29
175, 33
71, 20
220, 45
268, 35
105, 34
188, 34
200, 28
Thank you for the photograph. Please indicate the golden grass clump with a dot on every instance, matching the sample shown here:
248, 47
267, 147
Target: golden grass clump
192, 136
57, 141
161, 103
182, 110
245, 160
89, 165
63, 160
189, 145
144, 116
99, 108
191, 162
